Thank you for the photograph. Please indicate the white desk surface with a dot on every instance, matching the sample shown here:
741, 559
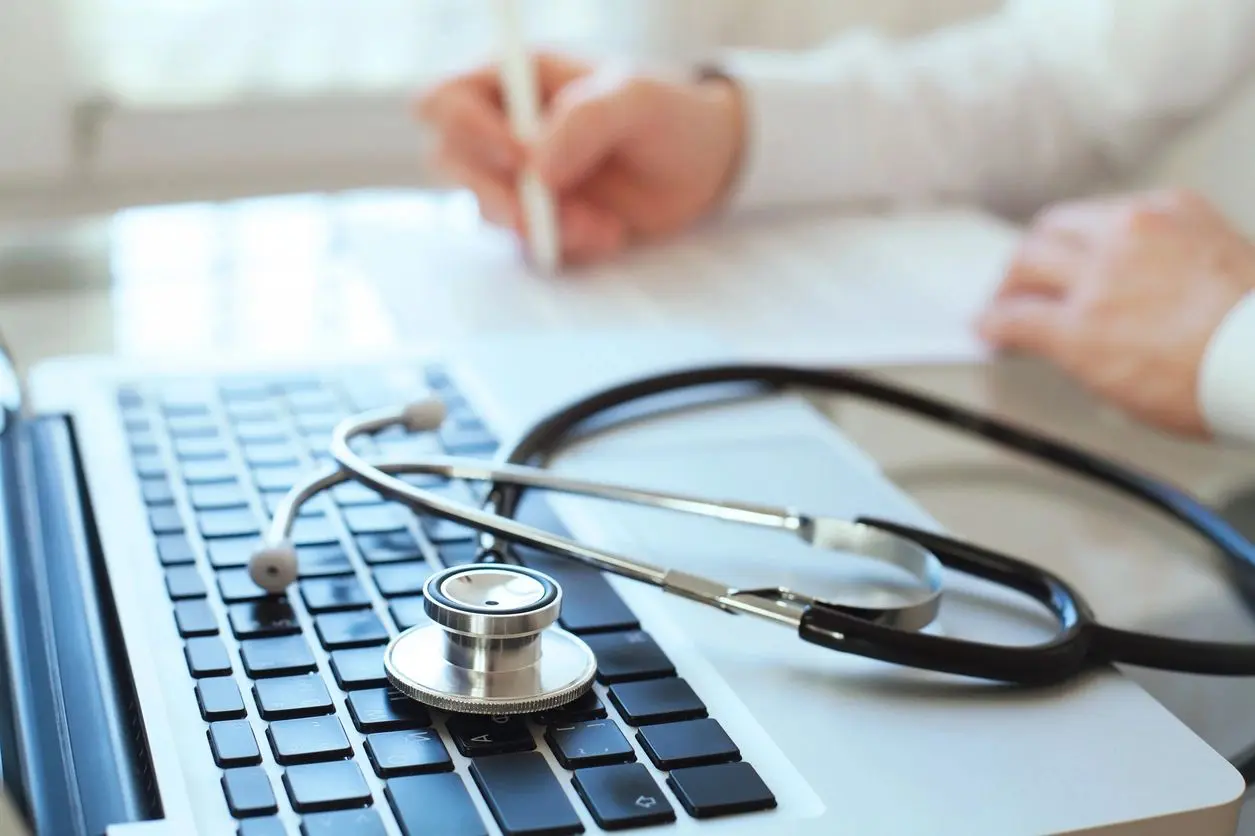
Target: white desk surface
283, 278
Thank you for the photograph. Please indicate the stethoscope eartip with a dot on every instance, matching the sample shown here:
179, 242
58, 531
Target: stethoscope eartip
274, 568
425, 415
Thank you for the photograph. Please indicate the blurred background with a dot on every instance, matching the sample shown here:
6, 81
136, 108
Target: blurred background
105, 103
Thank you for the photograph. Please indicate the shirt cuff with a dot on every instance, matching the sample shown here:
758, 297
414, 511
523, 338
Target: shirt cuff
793, 154
1227, 378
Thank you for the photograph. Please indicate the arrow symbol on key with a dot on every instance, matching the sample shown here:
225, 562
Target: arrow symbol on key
646, 801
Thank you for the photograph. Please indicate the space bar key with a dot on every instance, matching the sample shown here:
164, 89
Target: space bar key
524, 795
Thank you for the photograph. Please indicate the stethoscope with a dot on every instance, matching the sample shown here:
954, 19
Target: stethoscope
493, 646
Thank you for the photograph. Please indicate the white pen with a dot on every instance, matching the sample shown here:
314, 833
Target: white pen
522, 101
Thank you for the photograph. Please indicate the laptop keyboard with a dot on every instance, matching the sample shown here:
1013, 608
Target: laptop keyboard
298, 713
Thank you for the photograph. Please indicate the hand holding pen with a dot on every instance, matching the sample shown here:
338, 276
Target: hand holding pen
623, 157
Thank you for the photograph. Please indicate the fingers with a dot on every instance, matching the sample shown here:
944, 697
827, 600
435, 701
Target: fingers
496, 195
1046, 264
1031, 324
588, 120
466, 114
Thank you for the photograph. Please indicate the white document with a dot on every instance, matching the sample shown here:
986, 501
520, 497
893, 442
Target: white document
815, 289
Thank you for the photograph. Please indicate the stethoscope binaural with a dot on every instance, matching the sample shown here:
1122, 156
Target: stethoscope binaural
493, 646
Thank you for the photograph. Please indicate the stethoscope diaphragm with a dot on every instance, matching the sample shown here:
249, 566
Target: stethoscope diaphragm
492, 646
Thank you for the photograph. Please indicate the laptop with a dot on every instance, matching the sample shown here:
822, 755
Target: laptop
150, 689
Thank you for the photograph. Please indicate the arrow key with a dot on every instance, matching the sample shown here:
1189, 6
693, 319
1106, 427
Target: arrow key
623, 795
477, 735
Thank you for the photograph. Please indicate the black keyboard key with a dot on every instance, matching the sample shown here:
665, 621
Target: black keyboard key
278, 478
288, 697
195, 618
402, 578
175, 550
720, 789
235, 585
687, 743
157, 491
388, 548
278, 656
269, 826
326, 786
149, 466
232, 522
438, 803
271, 454
217, 497
408, 612
594, 743
270, 617
206, 656
333, 594
231, 552
248, 792
445, 532
308, 739
185, 582
623, 796
374, 519
209, 472
142, 441
354, 493
656, 701
459, 554
322, 561
165, 519
256, 425
199, 448
628, 656
317, 422
467, 440
383, 709
587, 707
314, 398
314, 531
359, 667
589, 603
315, 507
524, 795
478, 734
363, 822
192, 426
360, 628
233, 743
219, 698
407, 753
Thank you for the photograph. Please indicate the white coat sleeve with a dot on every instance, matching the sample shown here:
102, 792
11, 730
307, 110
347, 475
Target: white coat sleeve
1043, 100
1227, 378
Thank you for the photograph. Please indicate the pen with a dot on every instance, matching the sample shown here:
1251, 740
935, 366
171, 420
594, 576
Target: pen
522, 100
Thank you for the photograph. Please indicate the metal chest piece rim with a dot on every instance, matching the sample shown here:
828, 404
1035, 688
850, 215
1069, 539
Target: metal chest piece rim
491, 647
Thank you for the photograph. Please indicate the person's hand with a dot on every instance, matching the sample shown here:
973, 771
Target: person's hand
1124, 294
629, 157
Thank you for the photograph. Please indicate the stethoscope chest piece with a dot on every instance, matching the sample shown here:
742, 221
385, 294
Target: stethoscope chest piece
491, 647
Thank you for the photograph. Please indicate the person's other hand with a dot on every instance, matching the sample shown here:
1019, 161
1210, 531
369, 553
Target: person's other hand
629, 157
1124, 294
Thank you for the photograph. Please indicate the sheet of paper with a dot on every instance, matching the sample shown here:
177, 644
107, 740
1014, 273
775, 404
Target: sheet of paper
818, 288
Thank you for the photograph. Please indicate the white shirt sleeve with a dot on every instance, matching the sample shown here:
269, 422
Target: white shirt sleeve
1042, 100
1227, 378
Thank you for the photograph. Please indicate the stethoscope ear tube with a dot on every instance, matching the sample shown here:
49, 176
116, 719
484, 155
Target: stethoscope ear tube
1082, 641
